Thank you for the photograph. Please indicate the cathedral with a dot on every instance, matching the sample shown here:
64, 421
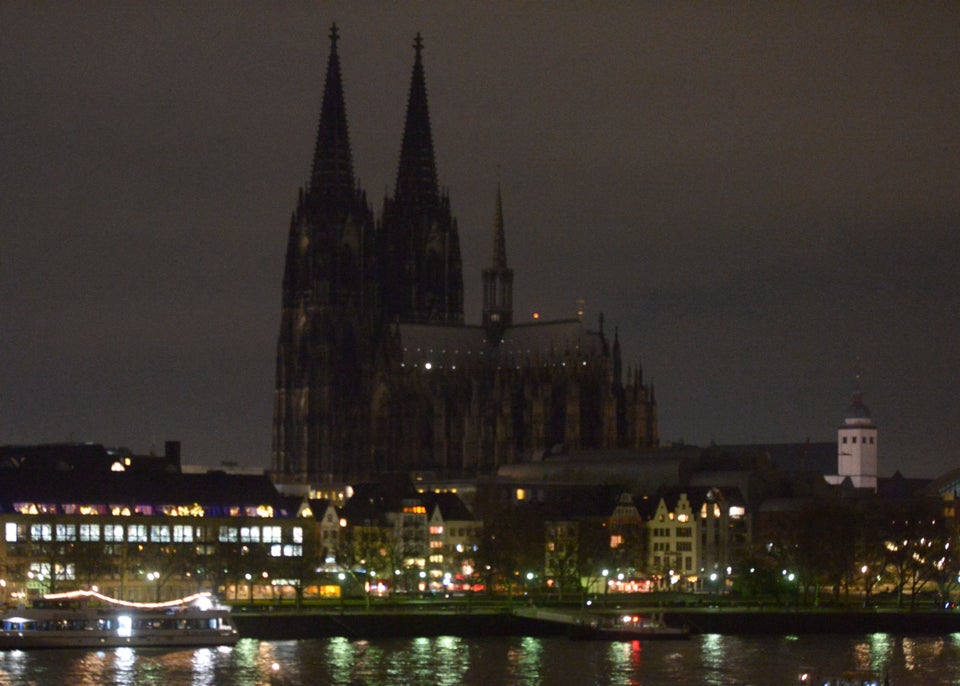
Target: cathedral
377, 370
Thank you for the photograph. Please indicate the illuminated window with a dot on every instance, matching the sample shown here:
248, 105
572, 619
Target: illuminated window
41, 532
183, 534
298, 534
276, 550
736, 512
683, 517
436, 544
89, 532
113, 533
228, 534
66, 532
250, 534
521, 494
271, 534
137, 533
290, 550
10, 530
160, 533
616, 541
436, 530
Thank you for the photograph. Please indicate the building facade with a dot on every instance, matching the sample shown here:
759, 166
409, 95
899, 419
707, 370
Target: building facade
857, 446
140, 529
376, 368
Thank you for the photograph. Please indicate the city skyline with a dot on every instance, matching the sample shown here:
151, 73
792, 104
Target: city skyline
760, 199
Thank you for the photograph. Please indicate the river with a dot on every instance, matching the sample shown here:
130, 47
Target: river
714, 659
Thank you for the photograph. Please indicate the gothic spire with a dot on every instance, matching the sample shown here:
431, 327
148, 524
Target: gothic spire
498, 280
617, 361
332, 173
499, 237
417, 173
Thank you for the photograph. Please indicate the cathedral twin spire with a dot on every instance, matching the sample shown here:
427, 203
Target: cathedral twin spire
416, 247
419, 243
417, 173
332, 173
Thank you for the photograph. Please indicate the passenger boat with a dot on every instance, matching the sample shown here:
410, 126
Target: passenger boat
627, 628
87, 619
621, 627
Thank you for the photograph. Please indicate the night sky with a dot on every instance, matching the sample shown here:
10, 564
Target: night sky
762, 197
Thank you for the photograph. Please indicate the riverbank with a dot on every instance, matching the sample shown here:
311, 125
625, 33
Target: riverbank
355, 623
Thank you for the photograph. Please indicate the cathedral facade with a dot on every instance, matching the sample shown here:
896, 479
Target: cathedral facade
377, 370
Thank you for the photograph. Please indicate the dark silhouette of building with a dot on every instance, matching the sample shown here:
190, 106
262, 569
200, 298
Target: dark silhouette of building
376, 369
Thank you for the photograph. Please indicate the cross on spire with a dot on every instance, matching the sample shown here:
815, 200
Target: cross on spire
334, 34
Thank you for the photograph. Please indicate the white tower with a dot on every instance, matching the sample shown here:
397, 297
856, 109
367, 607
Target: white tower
857, 445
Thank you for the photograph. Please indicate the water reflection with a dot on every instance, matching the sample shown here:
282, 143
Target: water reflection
512, 661
523, 661
713, 656
124, 661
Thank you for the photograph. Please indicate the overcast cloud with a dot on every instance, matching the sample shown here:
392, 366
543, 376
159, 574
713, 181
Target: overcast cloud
763, 197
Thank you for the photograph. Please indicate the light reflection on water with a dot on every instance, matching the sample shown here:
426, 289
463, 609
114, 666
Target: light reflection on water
511, 661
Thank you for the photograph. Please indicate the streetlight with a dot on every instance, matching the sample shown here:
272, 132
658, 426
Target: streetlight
155, 576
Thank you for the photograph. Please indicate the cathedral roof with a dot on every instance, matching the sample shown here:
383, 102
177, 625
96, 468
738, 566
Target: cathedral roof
444, 347
550, 339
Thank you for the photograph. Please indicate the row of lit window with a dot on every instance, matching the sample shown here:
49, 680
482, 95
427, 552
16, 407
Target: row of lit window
459, 532
142, 533
195, 510
255, 534
682, 517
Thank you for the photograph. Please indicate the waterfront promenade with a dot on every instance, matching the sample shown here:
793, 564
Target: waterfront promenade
496, 618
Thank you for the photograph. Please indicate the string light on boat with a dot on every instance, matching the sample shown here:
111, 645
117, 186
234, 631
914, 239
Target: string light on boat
200, 599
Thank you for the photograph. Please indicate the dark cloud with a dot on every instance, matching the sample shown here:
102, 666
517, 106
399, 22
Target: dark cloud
762, 198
